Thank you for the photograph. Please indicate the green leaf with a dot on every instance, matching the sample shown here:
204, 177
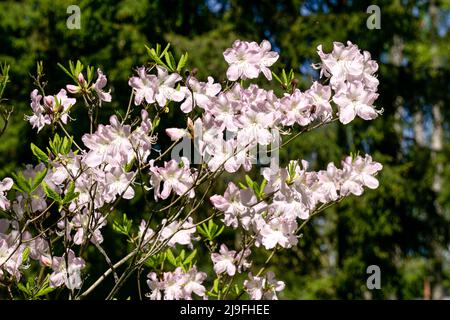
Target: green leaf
90, 74
38, 178
168, 60
203, 231
218, 233
237, 290
166, 49
66, 145
262, 186
171, 258
70, 194
25, 254
283, 75
123, 226
20, 183
277, 78
39, 153
249, 181
23, 289
49, 192
45, 289
182, 62
158, 49
182, 254
190, 257
216, 285
242, 186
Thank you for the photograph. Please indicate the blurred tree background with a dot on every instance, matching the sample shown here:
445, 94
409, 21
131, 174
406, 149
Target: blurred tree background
403, 226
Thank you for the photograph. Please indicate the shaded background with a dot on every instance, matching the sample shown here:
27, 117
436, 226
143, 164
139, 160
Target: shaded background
403, 226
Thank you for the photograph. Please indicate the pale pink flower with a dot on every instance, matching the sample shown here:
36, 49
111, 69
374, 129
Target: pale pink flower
5, 185
230, 204
176, 285
39, 250
68, 274
149, 233
199, 93
10, 258
343, 63
144, 86
87, 226
356, 101
248, 59
263, 287
194, 280
98, 86
39, 118
119, 183
268, 58
243, 58
279, 230
178, 232
224, 261
165, 88
109, 144
175, 176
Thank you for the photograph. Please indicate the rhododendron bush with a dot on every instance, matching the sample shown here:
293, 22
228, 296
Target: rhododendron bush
55, 212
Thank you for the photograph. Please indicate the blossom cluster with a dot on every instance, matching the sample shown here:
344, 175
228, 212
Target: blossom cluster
12, 257
228, 261
50, 109
226, 122
352, 77
248, 59
294, 194
263, 287
177, 285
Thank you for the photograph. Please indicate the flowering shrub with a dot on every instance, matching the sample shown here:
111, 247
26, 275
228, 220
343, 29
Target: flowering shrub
53, 213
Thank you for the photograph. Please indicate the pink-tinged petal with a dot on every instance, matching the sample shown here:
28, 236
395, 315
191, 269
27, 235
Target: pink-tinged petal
267, 73
370, 181
176, 133
367, 112
167, 188
93, 159
251, 72
129, 193
265, 45
229, 55
347, 114
234, 72
6, 184
219, 202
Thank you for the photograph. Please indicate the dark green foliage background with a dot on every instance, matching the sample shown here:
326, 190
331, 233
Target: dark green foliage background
403, 226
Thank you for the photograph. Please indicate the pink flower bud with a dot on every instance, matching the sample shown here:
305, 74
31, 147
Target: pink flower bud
81, 80
48, 101
73, 89
46, 261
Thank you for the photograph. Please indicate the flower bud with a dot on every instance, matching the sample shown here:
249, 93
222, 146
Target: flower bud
81, 80
48, 102
73, 89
